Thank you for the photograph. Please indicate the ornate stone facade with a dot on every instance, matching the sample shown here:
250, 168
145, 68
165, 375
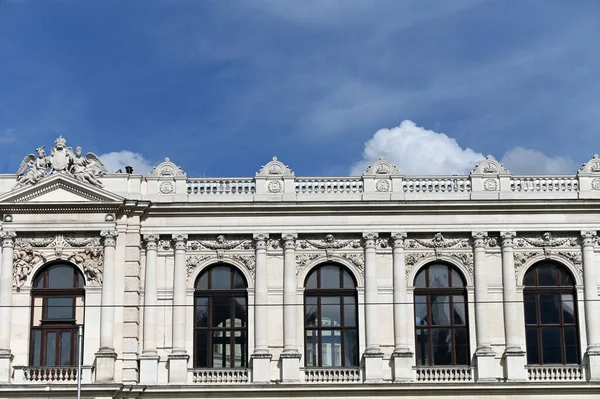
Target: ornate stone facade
141, 242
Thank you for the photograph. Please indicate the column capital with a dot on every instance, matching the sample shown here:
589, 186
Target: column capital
260, 240
369, 239
151, 241
110, 237
398, 238
289, 240
507, 238
260, 236
479, 238
588, 238
8, 239
180, 240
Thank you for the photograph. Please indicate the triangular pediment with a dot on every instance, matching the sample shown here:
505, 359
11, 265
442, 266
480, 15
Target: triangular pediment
60, 188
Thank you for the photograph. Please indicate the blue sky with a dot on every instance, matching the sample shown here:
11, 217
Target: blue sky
222, 86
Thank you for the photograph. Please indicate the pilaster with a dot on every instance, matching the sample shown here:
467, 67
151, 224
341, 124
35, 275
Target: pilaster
402, 357
6, 294
178, 359
290, 358
149, 357
592, 306
261, 358
106, 355
514, 355
373, 356
484, 354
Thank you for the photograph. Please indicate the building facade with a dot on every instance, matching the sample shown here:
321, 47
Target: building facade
275, 286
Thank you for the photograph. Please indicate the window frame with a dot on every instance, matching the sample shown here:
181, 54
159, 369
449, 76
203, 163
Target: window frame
450, 291
57, 325
340, 293
557, 290
211, 294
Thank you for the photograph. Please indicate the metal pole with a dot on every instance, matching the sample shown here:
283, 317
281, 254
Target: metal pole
79, 359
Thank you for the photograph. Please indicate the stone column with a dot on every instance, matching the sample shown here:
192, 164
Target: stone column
261, 358
514, 355
106, 356
178, 359
373, 356
484, 353
6, 292
591, 304
402, 356
149, 357
290, 358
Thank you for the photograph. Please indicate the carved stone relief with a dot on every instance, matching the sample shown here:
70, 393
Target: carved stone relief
328, 242
438, 241
24, 259
92, 261
545, 240
87, 252
221, 242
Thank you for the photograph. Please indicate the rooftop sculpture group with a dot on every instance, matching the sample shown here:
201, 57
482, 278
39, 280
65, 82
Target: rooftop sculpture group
62, 159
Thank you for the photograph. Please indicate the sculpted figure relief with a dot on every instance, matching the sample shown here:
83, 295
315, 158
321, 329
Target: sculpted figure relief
61, 160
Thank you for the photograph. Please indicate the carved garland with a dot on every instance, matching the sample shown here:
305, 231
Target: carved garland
331, 245
220, 245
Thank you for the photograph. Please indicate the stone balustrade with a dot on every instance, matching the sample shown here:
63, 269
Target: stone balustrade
220, 376
556, 373
444, 374
58, 374
332, 375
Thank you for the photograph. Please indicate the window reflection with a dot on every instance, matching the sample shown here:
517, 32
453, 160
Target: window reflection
330, 309
441, 316
220, 318
550, 315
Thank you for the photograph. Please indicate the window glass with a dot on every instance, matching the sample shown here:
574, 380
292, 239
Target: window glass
51, 348
61, 276
59, 308
330, 277
65, 348
221, 278
438, 276
546, 275
549, 310
331, 316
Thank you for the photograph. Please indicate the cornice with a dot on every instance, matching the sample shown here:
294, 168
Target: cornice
185, 209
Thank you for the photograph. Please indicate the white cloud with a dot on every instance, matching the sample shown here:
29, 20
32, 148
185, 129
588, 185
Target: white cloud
418, 151
521, 160
118, 160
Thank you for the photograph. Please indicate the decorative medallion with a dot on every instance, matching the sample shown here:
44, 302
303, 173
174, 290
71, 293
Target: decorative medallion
275, 186
595, 184
490, 185
166, 187
382, 185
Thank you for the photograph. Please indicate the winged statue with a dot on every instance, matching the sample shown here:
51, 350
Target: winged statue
83, 168
62, 159
33, 169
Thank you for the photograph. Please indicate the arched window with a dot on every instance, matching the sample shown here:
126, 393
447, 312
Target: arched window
57, 311
441, 326
550, 315
221, 318
330, 318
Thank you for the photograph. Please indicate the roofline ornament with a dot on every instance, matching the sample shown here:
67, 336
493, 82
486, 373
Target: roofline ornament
62, 159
